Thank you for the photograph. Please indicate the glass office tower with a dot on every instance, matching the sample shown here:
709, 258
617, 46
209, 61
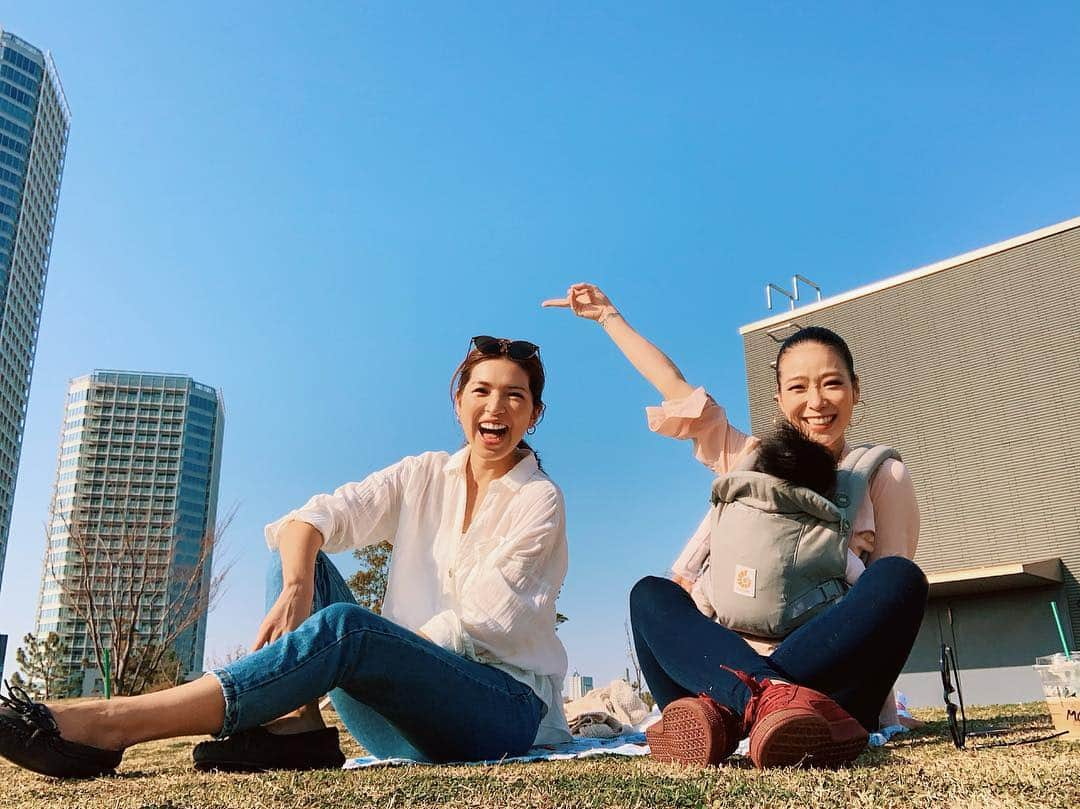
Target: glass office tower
34, 120
138, 463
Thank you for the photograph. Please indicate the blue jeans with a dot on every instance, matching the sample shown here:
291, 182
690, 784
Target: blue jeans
397, 693
853, 651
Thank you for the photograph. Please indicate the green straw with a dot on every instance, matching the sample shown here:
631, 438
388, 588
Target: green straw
1061, 632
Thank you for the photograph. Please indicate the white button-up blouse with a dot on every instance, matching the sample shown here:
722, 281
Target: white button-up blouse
487, 594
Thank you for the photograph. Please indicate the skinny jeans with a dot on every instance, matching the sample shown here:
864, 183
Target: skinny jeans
853, 651
399, 694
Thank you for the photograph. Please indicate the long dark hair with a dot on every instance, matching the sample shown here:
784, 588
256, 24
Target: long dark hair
533, 368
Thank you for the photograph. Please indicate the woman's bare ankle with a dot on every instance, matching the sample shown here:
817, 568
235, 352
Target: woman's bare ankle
88, 723
304, 719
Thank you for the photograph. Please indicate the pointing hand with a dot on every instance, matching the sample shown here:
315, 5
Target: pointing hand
585, 300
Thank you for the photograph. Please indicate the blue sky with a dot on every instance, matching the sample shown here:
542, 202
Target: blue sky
313, 207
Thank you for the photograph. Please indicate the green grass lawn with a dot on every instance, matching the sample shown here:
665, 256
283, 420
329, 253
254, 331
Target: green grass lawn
920, 769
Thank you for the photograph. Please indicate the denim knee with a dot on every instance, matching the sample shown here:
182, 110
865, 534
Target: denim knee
343, 618
643, 594
907, 577
273, 582
273, 567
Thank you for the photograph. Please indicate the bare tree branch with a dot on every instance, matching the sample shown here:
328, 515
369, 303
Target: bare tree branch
137, 590
631, 655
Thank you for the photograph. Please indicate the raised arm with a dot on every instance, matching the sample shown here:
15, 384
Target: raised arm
589, 302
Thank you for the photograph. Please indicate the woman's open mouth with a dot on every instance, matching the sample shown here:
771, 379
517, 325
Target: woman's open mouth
819, 424
492, 433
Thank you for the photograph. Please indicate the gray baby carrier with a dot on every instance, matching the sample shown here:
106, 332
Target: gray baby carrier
778, 551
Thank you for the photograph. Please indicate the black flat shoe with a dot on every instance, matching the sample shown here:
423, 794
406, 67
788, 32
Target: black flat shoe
258, 749
29, 737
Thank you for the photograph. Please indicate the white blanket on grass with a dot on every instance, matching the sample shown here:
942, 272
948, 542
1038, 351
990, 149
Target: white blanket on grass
628, 744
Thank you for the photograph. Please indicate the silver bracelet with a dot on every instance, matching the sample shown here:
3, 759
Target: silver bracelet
604, 318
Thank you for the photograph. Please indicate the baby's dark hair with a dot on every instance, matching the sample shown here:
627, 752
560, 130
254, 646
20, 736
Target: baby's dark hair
789, 455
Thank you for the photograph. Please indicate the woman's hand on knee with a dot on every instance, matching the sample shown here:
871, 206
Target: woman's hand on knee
683, 582
290, 610
584, 300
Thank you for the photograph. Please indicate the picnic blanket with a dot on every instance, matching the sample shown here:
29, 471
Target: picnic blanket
630, 742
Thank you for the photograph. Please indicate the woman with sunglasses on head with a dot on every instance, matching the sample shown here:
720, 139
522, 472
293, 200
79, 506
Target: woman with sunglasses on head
812, 697
463, 664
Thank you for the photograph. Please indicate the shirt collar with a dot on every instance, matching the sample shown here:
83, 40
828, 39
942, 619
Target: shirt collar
456, 464
522, 473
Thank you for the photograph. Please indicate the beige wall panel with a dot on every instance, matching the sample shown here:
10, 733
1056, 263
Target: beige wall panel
971, 373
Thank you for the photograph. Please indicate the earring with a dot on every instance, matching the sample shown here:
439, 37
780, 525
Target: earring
531, 430
862, 414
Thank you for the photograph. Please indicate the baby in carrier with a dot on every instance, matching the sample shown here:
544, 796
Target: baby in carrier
780, 530
789, 455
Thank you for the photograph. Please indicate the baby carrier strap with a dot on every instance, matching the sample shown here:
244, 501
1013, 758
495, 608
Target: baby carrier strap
853, 478
827, 592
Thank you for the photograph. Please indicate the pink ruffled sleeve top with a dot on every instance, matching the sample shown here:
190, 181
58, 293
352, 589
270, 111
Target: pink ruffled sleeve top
887, 523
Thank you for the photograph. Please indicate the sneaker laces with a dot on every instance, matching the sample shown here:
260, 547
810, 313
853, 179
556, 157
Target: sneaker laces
35, 713
758, 689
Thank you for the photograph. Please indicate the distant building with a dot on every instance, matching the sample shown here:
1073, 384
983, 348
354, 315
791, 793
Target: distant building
968, 368
34, 120
578, 686
140, 456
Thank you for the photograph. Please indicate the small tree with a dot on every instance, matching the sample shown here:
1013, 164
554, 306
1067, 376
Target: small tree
168, 671
220, 660
42, 661
138, 594
631, 655
369, 582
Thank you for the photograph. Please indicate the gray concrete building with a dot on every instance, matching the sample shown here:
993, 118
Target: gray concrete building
968, 368
137, 472
34, 119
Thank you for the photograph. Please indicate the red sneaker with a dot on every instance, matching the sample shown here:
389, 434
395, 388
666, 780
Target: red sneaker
795, 725
695, 730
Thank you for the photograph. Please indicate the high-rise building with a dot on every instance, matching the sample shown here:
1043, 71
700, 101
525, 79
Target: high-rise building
578, 685
34, 119
137, 472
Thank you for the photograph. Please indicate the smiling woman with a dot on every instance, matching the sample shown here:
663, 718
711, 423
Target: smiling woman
818, 389
498, 393
463, 663
813, 697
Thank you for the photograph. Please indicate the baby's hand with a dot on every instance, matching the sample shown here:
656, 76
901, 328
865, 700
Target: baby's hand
862, 543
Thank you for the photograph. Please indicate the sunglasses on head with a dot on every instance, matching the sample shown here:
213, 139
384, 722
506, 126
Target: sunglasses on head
500, 346
957, 728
